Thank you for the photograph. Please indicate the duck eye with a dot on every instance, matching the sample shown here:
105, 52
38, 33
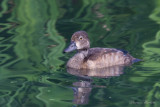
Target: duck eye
80, 38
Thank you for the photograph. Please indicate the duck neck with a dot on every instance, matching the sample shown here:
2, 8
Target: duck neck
84, 52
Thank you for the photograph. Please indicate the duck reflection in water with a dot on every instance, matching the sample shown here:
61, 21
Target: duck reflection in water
83, 87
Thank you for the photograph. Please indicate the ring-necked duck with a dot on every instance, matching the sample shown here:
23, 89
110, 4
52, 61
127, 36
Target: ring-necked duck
92, 58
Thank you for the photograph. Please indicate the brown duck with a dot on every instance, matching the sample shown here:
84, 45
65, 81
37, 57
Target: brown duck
92, 58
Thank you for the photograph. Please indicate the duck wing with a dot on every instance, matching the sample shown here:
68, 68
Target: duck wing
109, 57
95, 53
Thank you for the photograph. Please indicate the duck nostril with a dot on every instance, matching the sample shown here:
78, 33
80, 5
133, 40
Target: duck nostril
72, 46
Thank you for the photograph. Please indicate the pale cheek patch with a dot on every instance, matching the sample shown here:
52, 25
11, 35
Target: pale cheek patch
78, 45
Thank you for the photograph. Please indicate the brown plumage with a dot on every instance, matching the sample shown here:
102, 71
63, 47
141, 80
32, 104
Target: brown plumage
91, 58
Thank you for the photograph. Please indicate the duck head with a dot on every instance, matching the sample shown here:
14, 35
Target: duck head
79, 41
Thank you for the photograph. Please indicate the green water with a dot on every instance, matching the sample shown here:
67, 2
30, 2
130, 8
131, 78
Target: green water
33, 34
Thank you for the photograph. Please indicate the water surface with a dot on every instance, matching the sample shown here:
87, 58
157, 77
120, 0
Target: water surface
33, 34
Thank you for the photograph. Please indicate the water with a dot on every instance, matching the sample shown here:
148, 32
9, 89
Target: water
33, 34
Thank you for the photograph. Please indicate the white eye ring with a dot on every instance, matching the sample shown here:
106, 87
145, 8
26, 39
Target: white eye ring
80, 37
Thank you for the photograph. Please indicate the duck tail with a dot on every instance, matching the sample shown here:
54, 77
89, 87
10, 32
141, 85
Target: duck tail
136, 60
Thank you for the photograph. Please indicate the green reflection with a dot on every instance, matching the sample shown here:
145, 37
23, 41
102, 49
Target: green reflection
28, 51
33, 34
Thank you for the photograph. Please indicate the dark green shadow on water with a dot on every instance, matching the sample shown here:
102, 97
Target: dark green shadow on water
33, 34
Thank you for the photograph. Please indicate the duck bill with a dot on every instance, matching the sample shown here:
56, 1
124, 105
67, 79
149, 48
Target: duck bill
71, 47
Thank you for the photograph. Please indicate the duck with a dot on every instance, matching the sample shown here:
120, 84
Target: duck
93, 58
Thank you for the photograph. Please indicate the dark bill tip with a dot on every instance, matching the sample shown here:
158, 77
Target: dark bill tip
64, 51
